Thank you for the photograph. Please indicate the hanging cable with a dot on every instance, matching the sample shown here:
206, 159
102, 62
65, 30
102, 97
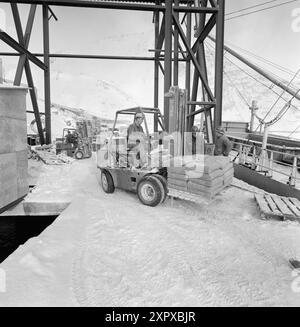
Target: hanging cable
283, 92
294, 131
251, 7
260, 82
263, 9
244, 71
281, 68
232, 83
238, 91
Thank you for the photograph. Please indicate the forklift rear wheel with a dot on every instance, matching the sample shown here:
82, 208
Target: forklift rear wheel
79, 155
150, 191
107, 182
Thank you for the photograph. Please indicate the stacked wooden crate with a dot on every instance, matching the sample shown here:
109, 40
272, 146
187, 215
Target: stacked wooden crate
205, 176
13, 145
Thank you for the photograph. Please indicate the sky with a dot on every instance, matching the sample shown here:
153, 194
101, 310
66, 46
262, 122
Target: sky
273, 34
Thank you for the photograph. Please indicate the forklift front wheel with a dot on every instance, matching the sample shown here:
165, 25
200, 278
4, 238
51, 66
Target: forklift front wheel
149, 191
107, 182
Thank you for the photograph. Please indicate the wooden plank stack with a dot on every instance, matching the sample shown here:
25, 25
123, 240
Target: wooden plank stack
204, 176
278, 207
13, 145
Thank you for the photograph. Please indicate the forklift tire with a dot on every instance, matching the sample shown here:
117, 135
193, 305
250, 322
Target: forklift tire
150, 191
163, 183
107, 182
79, 155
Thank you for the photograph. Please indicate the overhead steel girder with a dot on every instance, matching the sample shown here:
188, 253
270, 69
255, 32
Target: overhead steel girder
82, 56
197, 10
93, 4
192, 56
15, 45
116, 5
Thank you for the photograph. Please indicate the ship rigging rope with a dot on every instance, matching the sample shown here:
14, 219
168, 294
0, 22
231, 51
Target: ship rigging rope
280, 97
254, 78
238, 91
263, 9
232, 83
260, 82
281, 113
269, 62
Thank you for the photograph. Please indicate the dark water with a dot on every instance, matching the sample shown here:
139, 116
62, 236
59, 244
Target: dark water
16, 230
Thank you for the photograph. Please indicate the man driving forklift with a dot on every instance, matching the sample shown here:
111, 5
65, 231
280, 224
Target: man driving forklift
135, 141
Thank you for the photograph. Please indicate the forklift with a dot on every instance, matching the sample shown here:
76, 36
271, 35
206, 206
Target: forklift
121, 167
75, 142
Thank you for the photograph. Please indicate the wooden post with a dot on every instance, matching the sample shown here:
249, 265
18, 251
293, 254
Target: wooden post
270, 174
241, 154
253, 108
264, 152
254, 158
292, 179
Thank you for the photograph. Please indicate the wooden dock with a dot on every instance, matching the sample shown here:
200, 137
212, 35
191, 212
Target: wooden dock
278, 207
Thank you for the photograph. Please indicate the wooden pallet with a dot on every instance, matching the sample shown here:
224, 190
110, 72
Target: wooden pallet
278, 207
178, 194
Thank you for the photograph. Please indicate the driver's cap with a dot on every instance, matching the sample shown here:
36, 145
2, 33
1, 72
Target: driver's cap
139, 115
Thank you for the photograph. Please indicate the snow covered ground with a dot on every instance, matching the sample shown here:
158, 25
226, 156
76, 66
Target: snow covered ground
110, 250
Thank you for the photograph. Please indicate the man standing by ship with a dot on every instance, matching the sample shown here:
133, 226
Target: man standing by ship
223, 146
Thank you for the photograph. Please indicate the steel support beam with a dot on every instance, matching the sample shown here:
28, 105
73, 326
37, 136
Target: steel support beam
161, 38
195, 61
30, 82
203, 33
188, 66
34, 102
80, 56
168, 59
201, 103
19, 48
156, 66
176, 46
219, 64
206, 108
22, 59
47, 74
196, 10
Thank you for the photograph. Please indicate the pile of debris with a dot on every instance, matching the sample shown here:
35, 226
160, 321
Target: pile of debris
47, 154
206, 176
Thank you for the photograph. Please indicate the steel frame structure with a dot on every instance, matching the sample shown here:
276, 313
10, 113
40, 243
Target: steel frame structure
169, 31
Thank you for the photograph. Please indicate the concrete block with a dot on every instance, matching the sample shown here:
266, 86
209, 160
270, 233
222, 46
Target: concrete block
22, 173
44, 208
13, 102
13, 135
8, 179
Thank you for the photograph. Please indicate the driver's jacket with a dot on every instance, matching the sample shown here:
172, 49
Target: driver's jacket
135, 134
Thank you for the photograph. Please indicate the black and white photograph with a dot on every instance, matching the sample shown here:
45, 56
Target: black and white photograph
149, 156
